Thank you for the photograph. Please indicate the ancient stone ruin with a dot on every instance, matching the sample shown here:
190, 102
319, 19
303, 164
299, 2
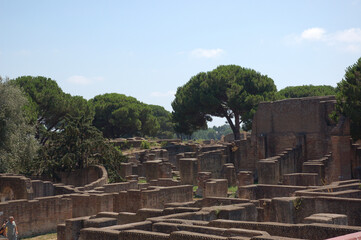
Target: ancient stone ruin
297, 176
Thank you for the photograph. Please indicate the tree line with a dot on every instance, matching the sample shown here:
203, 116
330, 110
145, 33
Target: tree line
44, 130
233, 92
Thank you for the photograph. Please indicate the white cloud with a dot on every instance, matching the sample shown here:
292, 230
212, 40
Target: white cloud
352, 35
207, 53
353, 48
169, 93
81, 80
313, 34
348, 39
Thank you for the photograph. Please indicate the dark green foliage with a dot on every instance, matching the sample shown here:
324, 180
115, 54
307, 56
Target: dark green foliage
117, 115
49, 104
349, 98
164, 119
64, 128
212, 133
228, 91
306, 91
188, 115
78, 145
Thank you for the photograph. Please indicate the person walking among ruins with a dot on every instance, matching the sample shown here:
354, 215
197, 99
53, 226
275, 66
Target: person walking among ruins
3, 230
11, 229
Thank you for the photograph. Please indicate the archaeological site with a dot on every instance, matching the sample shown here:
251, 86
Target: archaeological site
296, 175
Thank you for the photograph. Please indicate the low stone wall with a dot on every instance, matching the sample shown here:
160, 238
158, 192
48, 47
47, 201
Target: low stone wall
302, 179
313, 231
260, 191
347, 189
164, 182
38, 216
42, 215
14, 187
296, 209
132, 200
117, 187
91, 204
42, 188
87, 178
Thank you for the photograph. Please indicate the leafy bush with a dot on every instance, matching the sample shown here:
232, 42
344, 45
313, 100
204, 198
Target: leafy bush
145, 145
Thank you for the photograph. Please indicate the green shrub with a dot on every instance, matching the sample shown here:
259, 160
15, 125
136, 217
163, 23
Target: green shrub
145, 145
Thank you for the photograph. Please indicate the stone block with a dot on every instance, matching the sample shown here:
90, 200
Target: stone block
100, 222
203, 177
328, 218
152, 169
302, 179
269, 171
216, 188
229, 173
245, 178
188, 169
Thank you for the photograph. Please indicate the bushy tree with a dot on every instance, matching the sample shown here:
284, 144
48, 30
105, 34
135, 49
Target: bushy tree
78, 145
18, 145
49, 104
117, 115
164, 119
228, 91
64, 128
306, 91
349, 98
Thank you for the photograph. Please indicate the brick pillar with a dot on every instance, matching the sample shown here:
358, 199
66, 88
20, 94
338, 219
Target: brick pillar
245, 178
188, 168
203, 177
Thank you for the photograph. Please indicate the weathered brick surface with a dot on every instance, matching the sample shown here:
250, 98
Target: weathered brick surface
142, 235
314, 231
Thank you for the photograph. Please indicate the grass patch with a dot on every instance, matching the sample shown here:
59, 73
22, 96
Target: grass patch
232, 191
142, 181
50, 236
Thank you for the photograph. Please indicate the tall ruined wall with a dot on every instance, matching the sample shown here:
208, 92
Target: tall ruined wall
286, 123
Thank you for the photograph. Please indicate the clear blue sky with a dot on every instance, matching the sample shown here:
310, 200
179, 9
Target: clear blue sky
146, 49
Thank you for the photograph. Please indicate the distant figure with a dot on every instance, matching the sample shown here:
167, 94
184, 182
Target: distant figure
11, 229
3, 229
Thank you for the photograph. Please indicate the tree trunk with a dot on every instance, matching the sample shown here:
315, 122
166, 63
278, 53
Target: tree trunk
235, 126
236, 132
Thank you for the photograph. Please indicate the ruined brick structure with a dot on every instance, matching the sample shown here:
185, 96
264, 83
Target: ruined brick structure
306, 165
